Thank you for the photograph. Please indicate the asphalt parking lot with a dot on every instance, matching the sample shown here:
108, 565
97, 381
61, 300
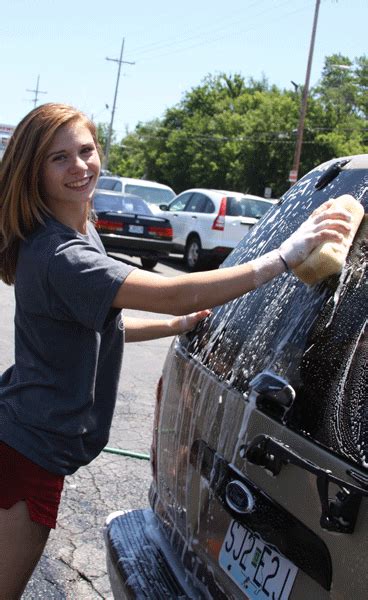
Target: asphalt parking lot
73, 566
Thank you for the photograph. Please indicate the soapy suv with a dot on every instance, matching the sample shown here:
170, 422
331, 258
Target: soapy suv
260, 446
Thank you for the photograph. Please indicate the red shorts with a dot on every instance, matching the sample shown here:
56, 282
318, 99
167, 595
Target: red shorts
22, 479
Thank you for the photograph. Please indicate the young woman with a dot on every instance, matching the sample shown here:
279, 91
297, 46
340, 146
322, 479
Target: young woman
57, 400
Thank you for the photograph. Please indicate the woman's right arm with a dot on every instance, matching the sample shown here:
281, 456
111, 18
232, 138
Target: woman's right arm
197, 291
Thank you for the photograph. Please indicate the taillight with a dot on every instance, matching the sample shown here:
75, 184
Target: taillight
155, 429
106, 224
160, 232
219, 222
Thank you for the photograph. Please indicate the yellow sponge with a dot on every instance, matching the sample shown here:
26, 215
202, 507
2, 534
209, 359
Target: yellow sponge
329, 258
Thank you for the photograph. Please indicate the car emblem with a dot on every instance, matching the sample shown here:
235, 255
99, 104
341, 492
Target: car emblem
239, 497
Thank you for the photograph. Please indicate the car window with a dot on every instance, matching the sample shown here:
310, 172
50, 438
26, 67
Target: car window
150, 194
209, 207
105, 202
166, 195
106, 183
118, 187
135, 205
196, 203
309, 335
180, 202
101, 183
246, 207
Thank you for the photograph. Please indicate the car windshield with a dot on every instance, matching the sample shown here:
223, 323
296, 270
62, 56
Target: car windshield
246, 207
150, 194
127, 204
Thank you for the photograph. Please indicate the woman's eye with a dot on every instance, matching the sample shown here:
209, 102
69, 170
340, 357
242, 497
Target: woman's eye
59, 157
88, 150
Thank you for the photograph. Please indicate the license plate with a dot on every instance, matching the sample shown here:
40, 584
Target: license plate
258, 570
135, 229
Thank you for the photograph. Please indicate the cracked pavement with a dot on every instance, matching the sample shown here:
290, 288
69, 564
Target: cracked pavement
73, 566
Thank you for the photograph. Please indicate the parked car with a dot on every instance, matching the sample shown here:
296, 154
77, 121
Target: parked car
126, 224
208, 224
259, 455
152, 192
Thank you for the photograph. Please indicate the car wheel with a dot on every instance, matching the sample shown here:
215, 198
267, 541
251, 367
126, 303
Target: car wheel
193, 253
148, 263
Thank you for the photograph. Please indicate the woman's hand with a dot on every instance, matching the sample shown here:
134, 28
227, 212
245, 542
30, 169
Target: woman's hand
141, 330
188, 322
325, 224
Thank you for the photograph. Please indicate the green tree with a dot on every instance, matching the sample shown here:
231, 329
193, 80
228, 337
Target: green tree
361, 74
229, 133
102, 133
342, 99
342, 85
224, 134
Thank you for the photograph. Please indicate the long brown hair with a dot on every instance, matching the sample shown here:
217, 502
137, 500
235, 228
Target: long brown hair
21, 204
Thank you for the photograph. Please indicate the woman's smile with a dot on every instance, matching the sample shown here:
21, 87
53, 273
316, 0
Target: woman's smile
81, 184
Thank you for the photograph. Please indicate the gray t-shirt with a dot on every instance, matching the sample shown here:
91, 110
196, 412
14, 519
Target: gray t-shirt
57, 400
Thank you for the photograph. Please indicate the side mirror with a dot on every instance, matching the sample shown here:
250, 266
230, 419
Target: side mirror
164, 207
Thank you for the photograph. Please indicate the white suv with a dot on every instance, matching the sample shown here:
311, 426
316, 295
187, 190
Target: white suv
208, 224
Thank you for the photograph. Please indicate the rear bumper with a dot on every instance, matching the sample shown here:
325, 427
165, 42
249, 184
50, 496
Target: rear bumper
136, 560
135, 246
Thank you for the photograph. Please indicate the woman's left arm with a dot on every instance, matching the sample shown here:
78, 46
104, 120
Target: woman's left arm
141, 330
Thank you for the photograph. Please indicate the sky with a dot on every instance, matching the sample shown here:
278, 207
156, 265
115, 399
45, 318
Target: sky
173, 45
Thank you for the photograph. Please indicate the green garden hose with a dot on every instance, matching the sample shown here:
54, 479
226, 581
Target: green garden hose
129, 453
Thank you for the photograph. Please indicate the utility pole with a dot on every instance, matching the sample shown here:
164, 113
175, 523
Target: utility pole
120, 61
36, 92
293, 176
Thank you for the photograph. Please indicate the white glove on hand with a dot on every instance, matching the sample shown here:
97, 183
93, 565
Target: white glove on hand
188, 322
325, 224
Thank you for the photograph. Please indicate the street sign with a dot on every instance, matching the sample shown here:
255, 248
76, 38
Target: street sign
293, 176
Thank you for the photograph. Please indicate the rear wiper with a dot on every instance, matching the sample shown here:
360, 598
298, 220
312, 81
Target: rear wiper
331, 173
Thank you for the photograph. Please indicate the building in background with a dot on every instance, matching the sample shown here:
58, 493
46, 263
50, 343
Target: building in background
5, 134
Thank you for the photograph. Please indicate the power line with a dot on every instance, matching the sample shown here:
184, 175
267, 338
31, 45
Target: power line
261, 137
209, 36
198, 32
